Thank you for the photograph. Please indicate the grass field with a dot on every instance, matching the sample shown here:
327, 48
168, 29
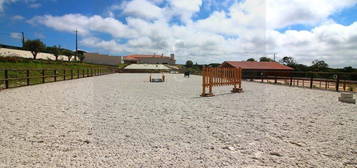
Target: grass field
17, 69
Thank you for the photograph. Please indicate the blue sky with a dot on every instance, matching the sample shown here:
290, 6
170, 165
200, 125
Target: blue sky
201, 30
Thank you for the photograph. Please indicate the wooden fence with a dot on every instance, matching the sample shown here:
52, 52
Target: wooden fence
221, 77
314, 80
11, 78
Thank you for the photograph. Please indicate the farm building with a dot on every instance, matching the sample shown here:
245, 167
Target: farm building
250, 68
96, 58
149, 59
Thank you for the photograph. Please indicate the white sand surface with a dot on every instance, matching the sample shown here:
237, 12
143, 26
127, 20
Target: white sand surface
122, 120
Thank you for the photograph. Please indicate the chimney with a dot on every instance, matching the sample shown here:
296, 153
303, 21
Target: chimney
172, 56
162, 54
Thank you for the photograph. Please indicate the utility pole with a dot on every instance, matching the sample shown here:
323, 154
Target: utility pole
274, 56
76, 44
23, 39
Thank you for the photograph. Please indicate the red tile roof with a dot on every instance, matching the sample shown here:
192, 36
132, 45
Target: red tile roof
137, 56
257, 65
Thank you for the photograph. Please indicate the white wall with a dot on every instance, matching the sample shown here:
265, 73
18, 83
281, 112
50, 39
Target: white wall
27, 54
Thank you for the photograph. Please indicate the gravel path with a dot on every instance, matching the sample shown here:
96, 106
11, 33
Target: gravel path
121, 120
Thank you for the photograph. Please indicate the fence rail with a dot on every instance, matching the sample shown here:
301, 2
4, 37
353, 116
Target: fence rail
314, 80
11, 78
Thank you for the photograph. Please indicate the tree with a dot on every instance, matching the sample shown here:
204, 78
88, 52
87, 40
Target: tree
81, 55
265, 59
35, 46
251, 60
68, 53
56, 51
214, 65
319, 65
189, 63
289, 61
347, 69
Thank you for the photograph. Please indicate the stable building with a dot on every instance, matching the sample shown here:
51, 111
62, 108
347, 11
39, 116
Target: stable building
149, 59
95, 58
251, 68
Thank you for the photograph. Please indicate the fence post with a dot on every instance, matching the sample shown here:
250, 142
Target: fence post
210, 81
311, 81
43, 76
291, 81
275, 79
64, 74
77, 73
337, 83
83, 73
344, 85
55, 75
27, 77
6, 75
71, 73
203, 82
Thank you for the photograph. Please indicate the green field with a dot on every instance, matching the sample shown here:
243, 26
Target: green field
17, 68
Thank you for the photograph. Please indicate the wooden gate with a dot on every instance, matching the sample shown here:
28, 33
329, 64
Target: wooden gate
221, 77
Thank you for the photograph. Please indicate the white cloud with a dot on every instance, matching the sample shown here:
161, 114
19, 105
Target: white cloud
35, 5
142, 9
247, 29
112, 46
282, 13
83, 24
3, 2
18, 17
185, 8
332, 42
16, 36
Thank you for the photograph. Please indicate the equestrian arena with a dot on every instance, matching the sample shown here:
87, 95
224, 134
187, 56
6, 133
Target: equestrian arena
123, 120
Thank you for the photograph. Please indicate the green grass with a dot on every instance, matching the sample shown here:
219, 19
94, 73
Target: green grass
17, 69
122, 66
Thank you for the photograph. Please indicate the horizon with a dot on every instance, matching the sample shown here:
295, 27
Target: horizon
204, 31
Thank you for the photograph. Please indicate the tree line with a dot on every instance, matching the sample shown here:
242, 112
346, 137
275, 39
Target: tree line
36, 46
317, 65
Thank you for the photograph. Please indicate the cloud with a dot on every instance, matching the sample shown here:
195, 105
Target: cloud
142, 9
16, 36
17, 17
245, 29
111, 45
282, 13
3, 2
85, 25
185, 8
35, 5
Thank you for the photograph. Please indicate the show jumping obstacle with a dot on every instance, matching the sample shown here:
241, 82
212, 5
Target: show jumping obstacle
221, 77
162, 79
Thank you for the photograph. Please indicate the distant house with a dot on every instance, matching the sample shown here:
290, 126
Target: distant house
250, 68
149, 59
96, 58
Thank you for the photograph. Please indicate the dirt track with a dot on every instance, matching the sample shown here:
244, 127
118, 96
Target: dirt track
121, 120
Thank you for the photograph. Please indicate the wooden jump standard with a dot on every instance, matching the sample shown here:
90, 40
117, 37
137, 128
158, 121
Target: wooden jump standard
221, 77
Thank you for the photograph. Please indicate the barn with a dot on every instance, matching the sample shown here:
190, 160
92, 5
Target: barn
250, 68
